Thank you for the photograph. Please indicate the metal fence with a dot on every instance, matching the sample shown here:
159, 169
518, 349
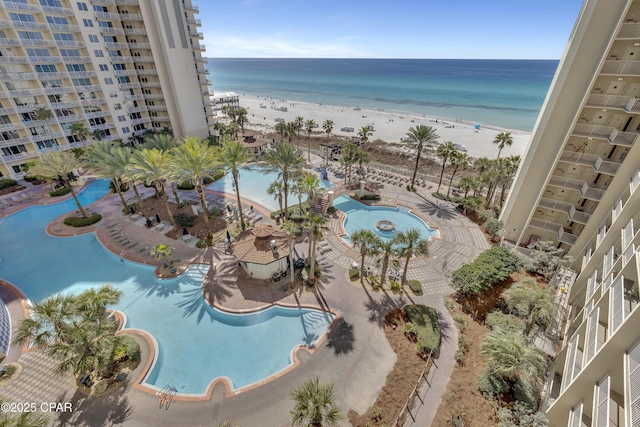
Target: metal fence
415, 394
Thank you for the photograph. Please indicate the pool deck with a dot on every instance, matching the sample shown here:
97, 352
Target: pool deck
353, 350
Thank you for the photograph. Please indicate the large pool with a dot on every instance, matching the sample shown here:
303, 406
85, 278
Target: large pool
196, 342
360, 216
254, 184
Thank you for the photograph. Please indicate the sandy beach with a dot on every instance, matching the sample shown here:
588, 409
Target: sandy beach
390, 126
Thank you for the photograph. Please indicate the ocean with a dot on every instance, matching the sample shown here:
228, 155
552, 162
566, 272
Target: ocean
504, 93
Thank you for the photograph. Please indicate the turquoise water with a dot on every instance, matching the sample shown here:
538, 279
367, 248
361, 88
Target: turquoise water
196, 342
253, 186
361, 216
505, 93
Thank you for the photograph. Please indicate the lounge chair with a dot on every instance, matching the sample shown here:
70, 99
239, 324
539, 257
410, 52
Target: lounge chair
5, 203
112, 225
15, 199
25, 196
32, 194
131, 244
144, 248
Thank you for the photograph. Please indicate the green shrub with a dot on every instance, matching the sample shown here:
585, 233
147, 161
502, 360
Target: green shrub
207, 180
123, 187
202, 243
492, 386
395, 286
60, 192
6, 183
214, 212
370, 197
498, 320
30, 178
76, 221
462, 349
526, 392
307, 267
184, 219
298, 219
490, 267
374, 281
354, 273
426, 320
218, 174
184, 203
460, 323
486, 214
415, 286
411, 331
129, 348
331, 210
186, 185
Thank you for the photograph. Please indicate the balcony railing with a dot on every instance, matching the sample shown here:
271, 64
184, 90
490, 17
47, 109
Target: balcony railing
17, 76
20, 156
135, 31
121, 73
107, 15
82, 73
30, 25
27, 108
150, 84
54, 75
563, 236
58, 10
120, 59
98, 114
10, 126
77, 59
28, 42
93, 88
65, 27
25, 92
629, 31
587, 192
8, 42
111, 30
127, 2
143, 59
194, 21
141, 120
130, 85
154, 96
71, 119
114, 45
131, 17
147, 72
139, 46
608, 101
10, 5
593, 160
14, 59
629, 68
69, 43
134, 97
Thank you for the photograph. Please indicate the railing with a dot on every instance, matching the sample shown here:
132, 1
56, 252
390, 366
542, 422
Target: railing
57, 90
131, 17
415, 393
69, 43
629, 31
111, 30
82, 73
65, 27
107, 15
135, 31
79, 59
143, 59
58, 10
8, 42
24, 92
623, 138
10, 5
17, 76
14, 59
608, 101
30, 25
631, 68
122, 73
20, 156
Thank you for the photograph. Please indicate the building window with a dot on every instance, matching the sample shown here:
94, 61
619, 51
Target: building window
104, 67
117, 107
82, 6
87, 22
93, 38
98, 53
45, 68
113, 94
63, 36
108, 81
57, 20
125, 129
122, 118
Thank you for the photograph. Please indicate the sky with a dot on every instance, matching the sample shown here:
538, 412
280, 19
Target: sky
472, 29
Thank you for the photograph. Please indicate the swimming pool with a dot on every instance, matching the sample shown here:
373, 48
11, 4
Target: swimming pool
196, 343
361, 216
254, 185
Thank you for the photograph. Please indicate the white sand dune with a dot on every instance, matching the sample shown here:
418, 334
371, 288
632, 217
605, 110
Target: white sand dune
389, 126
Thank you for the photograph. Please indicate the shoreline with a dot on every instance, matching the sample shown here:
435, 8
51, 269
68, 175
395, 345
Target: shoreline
390, 126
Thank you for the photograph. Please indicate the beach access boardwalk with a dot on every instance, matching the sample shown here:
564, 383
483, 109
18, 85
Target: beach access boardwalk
355, 356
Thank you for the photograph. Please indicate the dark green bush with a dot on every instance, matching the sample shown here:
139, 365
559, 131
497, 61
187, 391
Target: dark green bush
218, 174
426, 320
498, 320
492, 385
415, 286
353, 273
370, 197
214, 212
30, 178
298, 219
207, 180
186, 185
202, 244
490, 267
184, 219
129, 348
6, 183
75, 221
331, 210
123, 187
60, 192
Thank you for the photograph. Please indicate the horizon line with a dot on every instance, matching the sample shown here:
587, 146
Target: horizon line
398, 59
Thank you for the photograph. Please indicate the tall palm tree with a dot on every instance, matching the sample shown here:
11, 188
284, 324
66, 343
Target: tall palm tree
368, 243
233, 128
123, 157
541, 304
162, 251
232, 156
291, 229
349, 155
194, 160
315, 404
291, 130
45, 115
299, 125
296, 188
284, 159
59, 165
241, 118
364, 133
387, 248
511, 167
164, 142
503, 139
362, 157
153, 166
411, 243
495, 176
444, 151
80, 131
467, 184
308, 127
282, 129
458, 160
275, 189
509, 356
104, 161
316, 224
418, 137
310, 184
328, 127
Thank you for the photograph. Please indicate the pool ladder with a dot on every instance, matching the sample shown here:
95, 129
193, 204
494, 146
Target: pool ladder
166, 396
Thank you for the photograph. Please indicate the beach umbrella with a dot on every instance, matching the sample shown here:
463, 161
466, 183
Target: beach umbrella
477, 126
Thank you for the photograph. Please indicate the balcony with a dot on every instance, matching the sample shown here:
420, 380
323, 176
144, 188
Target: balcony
69, 43
127, 2
14, 141
107, 2
587, 192
140, 109
55, 75
563, 236
58, 10
65, 27
108, 15
77, 59
45, 59
202, 71
593, 160
157, 107
202, 59
48, 43
10, 126
192, 8
154, 96
98, 114
131, 17
621, 68
58, 90
9, 5
120, 59
92, 101
139, 46
16, 76
7, 110
66, 104
71, 119
8, 42
196, 34
111, 30
19, 157
30, 25
135, 31
122, 73
143, 59
45, 136
113, 45
150, 84
608, 101
568, 208
14, 60
629, 31
201, 47
129, 85
134, 97
82, 73
147, 72
140, 120
193, 21
24, 92
103, 126
27, 108
93, 88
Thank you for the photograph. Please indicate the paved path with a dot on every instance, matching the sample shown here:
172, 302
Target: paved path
355, 355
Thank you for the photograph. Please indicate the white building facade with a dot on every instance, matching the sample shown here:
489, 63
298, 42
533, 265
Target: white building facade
119, 67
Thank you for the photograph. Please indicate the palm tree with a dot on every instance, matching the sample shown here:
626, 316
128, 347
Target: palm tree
411, 242
348, 157
541, 304
194, 160
296, 188
233, 128
108, 162
368, 243
299, 124
233, 155
43, 114
59, 165
80, 131
388, 249
362, 157
153, 166
282, 129
511, 167
328, 127
467, 184
308, 127
123, 157
275, 189
98, 135
509, 356
364, 133
315, 404
445, 151
503, 139
162, 251
417, 137
292, 129
310, 185
241, 119
458, 159
24, 419
291, 229
284, 159
164, 142
316, 224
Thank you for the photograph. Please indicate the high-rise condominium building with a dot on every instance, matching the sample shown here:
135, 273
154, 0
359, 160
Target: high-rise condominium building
119, 67
578, 186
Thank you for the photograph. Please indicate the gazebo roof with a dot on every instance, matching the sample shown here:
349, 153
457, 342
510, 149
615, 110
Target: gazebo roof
257, 245
254, 141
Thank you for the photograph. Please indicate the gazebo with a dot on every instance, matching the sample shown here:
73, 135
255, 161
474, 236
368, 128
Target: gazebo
255, 144
262, 251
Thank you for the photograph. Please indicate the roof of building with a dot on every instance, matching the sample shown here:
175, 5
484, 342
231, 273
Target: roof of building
249, 141
256, 245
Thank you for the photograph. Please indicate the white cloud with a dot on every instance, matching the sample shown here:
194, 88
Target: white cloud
277, 47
